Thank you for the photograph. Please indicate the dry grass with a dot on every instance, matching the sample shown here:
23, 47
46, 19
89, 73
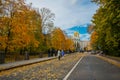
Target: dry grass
115, 58
110, 60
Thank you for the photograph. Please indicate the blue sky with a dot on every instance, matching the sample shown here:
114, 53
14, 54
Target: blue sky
68, 13
81, 29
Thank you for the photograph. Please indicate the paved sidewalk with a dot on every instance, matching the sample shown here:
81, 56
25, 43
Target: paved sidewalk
22, 63
93, 68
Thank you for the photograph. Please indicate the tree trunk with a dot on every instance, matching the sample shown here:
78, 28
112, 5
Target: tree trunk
40, 54
2, 57
26, 55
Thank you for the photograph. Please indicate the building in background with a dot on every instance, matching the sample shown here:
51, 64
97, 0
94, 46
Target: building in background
85, 45
80, 45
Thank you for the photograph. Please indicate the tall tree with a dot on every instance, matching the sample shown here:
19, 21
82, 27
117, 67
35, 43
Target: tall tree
93, 41
107, 23
58, 39
69, 44
47, 19
20, 26
10, 7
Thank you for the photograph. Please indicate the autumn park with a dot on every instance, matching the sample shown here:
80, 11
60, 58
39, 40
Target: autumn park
30, 43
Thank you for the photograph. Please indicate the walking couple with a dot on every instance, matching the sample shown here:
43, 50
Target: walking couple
60, 54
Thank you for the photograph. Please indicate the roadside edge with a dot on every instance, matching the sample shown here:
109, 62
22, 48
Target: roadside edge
111, 61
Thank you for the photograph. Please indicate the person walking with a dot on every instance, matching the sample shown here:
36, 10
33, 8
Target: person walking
62, 52
59, 54
49, 53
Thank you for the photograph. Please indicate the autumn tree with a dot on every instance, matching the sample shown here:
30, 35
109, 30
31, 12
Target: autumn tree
93, 41
1, 7
38, 31
69, 44
20, 27
47, 19
9, 8
60, 41
107, 26
28, 29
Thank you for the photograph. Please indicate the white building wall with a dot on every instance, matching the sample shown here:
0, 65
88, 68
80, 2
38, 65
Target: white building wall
83, 44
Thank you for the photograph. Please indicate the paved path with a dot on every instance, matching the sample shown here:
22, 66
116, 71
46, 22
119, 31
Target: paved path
22, 63
93, 68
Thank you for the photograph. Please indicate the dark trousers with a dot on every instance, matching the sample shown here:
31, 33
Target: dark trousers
58, 57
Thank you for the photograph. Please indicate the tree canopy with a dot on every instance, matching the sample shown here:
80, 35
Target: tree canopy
107, 26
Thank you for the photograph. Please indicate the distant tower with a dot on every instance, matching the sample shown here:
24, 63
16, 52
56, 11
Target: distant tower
76, 34
76, 38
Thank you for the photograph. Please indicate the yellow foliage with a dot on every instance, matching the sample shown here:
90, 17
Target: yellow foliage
69, 44
20, 26
94, 37
60, 41
3, 41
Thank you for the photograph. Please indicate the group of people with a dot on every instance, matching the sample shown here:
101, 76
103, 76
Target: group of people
52, 52
60, 54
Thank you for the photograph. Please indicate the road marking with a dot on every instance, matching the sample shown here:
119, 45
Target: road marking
66, 77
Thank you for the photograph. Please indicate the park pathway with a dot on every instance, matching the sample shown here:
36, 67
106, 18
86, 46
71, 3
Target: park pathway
93, 68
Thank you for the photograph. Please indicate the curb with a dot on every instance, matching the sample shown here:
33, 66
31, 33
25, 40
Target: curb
111, 61
9, 66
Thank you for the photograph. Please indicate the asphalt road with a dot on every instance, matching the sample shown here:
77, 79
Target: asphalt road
93, 68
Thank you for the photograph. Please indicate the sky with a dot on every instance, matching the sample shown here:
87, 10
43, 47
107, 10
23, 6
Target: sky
68, 13
81, 29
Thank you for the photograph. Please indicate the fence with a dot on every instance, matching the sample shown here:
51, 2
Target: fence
13, 56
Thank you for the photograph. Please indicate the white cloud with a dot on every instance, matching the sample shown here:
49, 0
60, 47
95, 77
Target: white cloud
85, 37
68, 12
74, 2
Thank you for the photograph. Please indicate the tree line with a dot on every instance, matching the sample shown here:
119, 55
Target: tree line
25, 28
106, 27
